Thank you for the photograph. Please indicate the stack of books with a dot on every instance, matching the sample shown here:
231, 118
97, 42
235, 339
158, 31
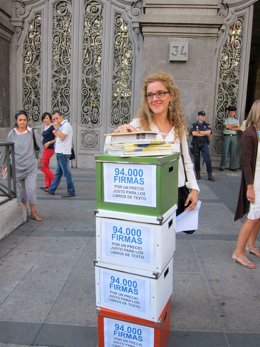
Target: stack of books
135, 144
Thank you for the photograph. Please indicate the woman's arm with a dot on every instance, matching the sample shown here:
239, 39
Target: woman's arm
38, 143
247, 153
246, 147
191, 179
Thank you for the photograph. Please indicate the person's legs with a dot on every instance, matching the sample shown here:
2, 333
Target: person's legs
251, 243
197, 160
30, 187
206, 157
21, 192
233, 152
243, 237
21, 195
57, 176
65, 166
224, 152
48, 174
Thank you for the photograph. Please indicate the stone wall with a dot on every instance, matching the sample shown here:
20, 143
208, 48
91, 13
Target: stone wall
195, 24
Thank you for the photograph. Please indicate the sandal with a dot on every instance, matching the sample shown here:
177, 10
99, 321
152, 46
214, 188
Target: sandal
243, 261
36, 217
254, 251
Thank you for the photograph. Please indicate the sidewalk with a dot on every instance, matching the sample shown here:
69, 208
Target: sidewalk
47, 285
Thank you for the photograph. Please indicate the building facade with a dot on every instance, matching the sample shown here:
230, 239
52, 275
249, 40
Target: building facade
87, 58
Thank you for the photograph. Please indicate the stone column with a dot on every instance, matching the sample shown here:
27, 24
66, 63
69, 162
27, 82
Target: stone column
180, 38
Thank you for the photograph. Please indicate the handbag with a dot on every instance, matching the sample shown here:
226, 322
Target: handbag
183, 193
72, 155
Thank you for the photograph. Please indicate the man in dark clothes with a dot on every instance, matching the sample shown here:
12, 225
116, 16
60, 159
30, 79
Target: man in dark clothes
200, 143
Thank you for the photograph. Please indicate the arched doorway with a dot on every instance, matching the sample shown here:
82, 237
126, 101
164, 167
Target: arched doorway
233, 76
82, 57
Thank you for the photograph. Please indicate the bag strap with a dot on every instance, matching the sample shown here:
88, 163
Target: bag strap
183, 162
36, 147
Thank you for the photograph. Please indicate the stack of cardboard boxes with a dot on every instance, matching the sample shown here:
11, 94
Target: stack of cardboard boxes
135, 243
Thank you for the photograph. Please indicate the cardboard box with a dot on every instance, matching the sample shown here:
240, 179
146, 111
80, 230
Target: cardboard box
138, 185
133, 244
141, 294
117, 329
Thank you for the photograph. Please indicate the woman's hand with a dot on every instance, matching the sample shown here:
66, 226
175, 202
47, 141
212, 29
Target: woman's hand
39, 162
192, 198
3, 170
46, 145
250, 193
125, 128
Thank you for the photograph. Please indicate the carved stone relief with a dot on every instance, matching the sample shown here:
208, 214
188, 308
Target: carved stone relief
122, 73
31, 70
231, 65
229, 73
91, 63
61, 57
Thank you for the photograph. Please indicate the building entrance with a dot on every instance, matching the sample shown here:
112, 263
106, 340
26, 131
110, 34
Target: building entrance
83, 58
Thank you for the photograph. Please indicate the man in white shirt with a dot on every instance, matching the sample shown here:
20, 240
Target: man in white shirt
63, 133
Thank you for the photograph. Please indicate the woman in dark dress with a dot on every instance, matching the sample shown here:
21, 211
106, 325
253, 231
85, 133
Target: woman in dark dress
249, 195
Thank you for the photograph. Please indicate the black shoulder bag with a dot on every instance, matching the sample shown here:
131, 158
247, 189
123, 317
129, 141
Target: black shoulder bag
72, 154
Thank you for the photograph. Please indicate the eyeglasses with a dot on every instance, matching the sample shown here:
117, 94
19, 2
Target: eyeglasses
160, 94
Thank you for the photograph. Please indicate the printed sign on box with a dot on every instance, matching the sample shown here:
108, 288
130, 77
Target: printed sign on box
128, 241
141, 294
119, 333
130, 184
124, 291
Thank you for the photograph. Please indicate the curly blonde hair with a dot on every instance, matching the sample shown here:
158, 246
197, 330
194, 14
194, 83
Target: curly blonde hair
175, 111
254, 115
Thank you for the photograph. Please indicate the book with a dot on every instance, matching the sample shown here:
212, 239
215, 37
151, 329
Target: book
133, 137
147, 154
137, 150
153, 146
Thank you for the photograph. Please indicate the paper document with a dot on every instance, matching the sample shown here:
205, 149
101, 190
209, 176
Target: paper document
188, 220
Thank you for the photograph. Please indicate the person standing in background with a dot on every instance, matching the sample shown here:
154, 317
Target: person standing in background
200, 131
25, 141
231, 127
249, 194
63, 133
48, 140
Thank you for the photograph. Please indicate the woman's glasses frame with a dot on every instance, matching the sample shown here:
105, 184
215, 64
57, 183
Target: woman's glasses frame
159, 95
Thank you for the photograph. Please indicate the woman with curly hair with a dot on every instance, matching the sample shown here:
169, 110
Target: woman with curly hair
249, 195
161, 111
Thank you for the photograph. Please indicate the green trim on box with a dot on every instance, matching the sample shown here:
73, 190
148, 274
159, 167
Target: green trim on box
166, 184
